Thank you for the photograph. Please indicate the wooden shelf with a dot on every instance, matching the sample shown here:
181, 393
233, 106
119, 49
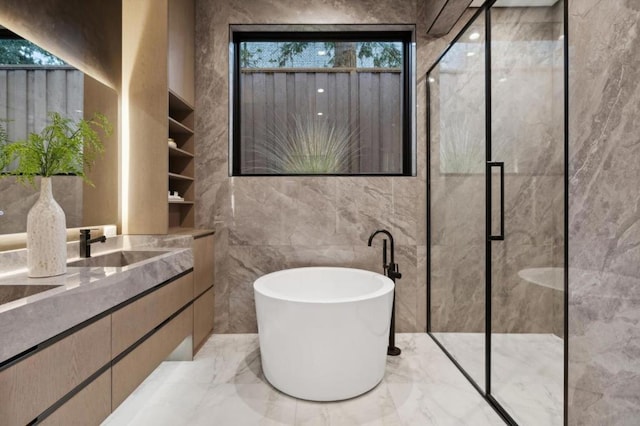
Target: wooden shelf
177, 152
177, 127
176, 176
177, 103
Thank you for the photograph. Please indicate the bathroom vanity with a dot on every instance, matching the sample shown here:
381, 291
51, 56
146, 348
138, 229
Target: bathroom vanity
71, 353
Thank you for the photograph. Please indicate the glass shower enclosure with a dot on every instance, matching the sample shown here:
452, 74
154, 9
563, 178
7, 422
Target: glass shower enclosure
497, 207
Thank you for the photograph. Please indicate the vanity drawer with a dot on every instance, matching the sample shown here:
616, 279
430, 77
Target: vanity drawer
133, 368
202, 318
90, 406
140, 317
202, 264
31, 386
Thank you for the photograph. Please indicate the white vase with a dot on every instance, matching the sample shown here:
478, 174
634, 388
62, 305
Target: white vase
46, 235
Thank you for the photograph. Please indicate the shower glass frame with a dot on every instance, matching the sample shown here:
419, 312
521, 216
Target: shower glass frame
485, 389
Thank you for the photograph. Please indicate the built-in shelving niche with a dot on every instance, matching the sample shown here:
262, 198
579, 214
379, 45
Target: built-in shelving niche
181, 162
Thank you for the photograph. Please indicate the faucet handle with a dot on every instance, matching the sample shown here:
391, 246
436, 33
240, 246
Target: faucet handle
87, 231
394, 271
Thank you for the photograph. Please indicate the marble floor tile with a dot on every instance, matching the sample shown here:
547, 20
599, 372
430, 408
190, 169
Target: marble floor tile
440, 404
224, 385
372, 408
526, 375
160, 403
468, 350
243, 404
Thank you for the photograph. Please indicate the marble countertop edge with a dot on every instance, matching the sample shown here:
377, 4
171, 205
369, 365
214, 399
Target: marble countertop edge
86, 292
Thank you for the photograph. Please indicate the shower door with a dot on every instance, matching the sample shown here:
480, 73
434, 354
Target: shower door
496, 207
457, 199
527, 265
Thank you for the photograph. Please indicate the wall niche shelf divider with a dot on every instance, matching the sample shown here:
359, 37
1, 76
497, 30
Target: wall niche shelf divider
177, 152
181, 162
177, 176
177, 127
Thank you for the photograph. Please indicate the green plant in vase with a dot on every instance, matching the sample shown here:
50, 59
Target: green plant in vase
63, 147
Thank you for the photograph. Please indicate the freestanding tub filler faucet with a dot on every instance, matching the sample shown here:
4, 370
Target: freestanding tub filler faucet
86, 241
392, 271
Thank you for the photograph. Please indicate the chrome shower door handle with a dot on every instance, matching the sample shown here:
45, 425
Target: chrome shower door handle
490, 165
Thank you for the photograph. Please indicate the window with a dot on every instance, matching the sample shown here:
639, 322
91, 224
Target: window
14, 50
322, 103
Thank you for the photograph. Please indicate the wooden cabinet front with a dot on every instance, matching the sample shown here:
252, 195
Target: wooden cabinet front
203, 264
90, 406
131, 370
202, 318
31, 386
45, 380
135, 320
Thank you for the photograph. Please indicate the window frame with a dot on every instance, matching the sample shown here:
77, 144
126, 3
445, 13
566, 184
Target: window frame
276, 33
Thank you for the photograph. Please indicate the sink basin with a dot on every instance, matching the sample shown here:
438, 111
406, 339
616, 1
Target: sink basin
11, 292
116, 259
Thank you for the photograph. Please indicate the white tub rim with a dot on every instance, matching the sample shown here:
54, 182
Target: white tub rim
386, 287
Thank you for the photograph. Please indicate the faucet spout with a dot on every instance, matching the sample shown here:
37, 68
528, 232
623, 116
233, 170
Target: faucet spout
388, 234
86, 241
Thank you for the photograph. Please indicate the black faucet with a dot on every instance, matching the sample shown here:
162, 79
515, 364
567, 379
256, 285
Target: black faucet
392, 271
86, 241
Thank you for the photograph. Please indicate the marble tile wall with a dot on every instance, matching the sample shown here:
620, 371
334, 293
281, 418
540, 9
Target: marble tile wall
17, 200
604, 212
265, 224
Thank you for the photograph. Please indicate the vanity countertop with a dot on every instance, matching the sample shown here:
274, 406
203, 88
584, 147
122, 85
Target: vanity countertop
83, 292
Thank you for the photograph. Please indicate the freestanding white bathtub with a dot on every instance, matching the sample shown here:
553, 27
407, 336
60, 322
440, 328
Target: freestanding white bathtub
323, 331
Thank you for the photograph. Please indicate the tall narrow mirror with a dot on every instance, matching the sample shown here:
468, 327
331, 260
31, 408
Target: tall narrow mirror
34, 83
